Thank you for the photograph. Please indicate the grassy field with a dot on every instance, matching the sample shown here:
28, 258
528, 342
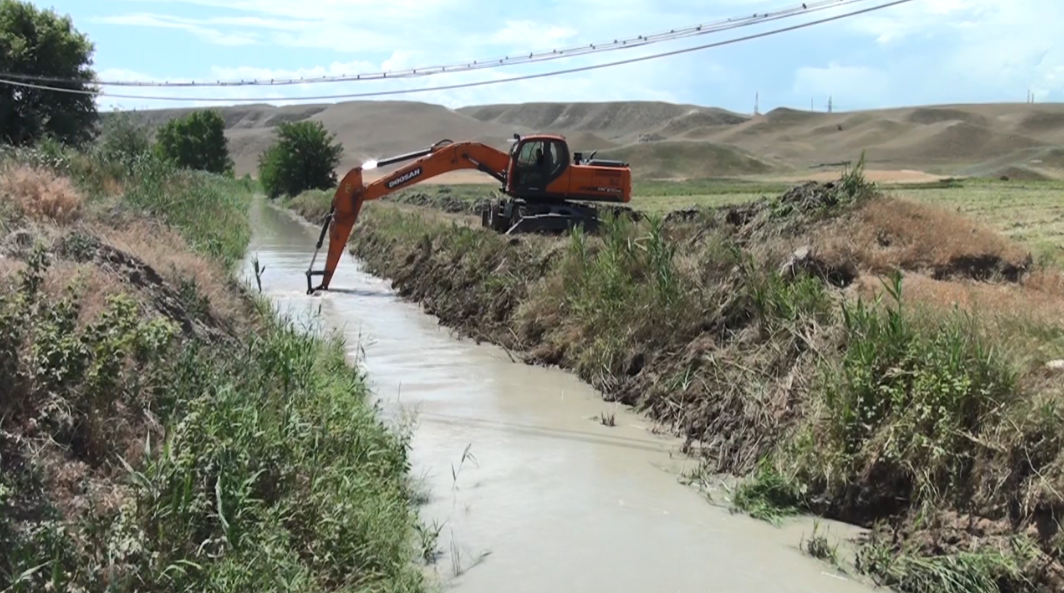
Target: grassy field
160, 429
1030, 212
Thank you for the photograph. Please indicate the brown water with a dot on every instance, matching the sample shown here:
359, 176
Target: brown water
549, 499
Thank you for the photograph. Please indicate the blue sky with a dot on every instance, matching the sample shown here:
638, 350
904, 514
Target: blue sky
926, 51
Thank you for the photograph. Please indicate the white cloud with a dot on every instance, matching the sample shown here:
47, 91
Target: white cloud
531, 34
209, 34
859, 83
951, 50
946, 50
247, 30
641, 81
344, 11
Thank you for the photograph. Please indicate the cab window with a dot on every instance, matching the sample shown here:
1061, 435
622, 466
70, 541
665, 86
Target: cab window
530, 154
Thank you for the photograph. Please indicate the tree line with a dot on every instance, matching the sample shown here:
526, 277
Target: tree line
42, 43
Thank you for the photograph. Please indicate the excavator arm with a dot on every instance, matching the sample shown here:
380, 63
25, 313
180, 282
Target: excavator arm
440, 158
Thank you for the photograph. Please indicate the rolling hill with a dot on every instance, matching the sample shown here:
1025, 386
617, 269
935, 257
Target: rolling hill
665, 140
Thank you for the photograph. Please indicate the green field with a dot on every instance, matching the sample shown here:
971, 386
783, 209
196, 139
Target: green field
1031, 212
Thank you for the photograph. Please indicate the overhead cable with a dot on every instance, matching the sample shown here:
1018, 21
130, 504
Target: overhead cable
460, 85
481, 64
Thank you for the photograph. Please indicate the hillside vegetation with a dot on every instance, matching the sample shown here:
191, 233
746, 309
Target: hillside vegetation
160, 428
849, 353
982, 140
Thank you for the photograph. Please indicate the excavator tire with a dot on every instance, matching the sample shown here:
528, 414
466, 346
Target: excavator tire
508, 216
514, 215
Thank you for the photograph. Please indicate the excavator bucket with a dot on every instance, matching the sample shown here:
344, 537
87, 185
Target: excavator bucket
347, 201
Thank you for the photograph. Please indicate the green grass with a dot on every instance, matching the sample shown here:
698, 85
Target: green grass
247, 464
313, 204
987, 568
1030, 212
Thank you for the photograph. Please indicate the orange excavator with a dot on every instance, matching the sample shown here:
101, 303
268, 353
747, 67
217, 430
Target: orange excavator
539, 179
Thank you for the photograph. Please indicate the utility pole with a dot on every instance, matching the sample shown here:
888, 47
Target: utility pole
830, 104
757, 103
811, 108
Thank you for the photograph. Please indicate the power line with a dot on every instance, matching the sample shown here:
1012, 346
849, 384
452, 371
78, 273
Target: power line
531, 57
467, 84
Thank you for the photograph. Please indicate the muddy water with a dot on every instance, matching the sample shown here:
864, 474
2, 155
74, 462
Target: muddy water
547, 498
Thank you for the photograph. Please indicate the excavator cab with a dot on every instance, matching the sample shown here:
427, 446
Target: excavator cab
536, 165
542, 168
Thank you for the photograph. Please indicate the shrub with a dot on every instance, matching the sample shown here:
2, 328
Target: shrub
304, 157
196, 141
122, 142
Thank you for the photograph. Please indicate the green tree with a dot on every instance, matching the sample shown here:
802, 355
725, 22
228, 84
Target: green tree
305, 156
41, 43
196, 141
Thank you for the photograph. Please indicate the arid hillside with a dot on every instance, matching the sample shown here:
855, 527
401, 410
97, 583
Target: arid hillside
663, 140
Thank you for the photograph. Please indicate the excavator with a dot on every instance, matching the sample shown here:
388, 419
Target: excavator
542, 187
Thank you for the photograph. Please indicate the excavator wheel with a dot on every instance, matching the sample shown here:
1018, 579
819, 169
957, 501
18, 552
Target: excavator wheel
509, 216
497, 216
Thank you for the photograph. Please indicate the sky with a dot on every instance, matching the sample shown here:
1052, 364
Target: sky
922, 52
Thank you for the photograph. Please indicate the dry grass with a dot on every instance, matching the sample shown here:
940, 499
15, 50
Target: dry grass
1028, 213
890, 233
168, 253
988, 300
40, 194
1049, 280
88, 280
1024, 320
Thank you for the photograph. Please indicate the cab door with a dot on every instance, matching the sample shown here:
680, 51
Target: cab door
538, 169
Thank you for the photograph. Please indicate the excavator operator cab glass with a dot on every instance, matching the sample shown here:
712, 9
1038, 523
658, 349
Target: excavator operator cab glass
539, 162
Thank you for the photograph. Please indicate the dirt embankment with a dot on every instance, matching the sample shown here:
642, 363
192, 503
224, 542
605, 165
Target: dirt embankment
749, 330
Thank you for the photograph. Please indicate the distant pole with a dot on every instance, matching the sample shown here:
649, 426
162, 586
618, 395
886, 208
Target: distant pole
757, 103
811, 108
830, 105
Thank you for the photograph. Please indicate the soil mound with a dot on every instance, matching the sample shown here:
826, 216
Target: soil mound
877, 235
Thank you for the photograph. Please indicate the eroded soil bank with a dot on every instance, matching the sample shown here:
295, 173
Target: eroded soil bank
751, 332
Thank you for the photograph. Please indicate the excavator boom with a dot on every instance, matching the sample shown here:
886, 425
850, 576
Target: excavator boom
536, 171
351, 193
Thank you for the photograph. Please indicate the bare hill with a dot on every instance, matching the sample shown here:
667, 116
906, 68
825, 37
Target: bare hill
686, 159
679, 140
622, 122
